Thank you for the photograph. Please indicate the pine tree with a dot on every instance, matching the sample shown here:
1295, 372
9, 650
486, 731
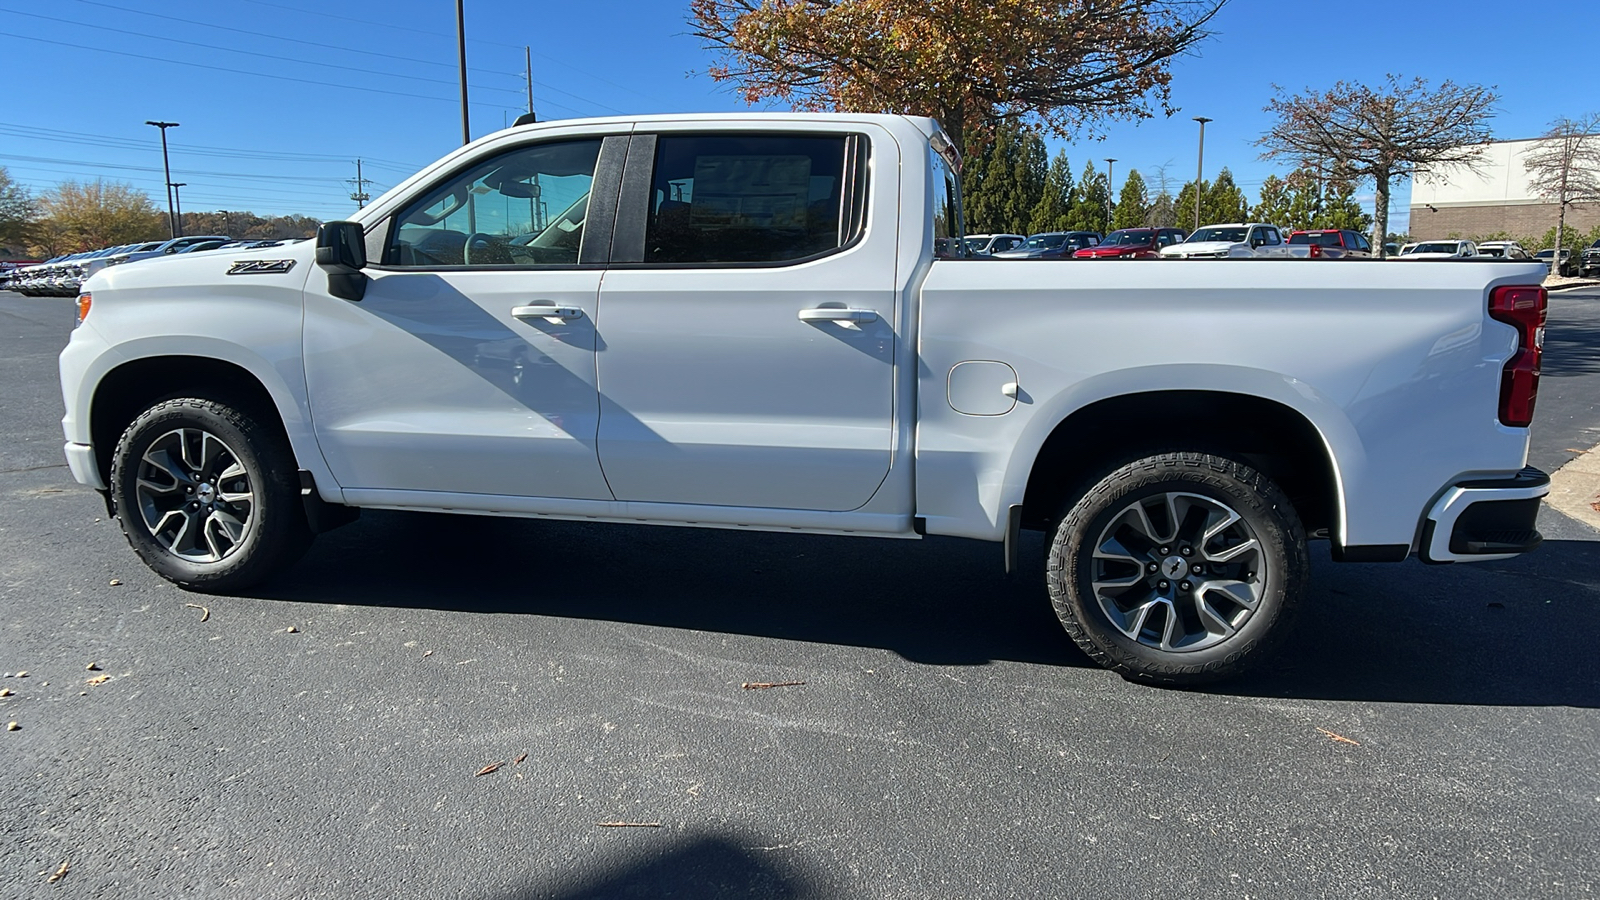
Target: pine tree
1093, 202
1133, 204
1055, 204
1224, 201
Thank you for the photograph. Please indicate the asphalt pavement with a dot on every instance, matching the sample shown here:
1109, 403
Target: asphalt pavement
459, 707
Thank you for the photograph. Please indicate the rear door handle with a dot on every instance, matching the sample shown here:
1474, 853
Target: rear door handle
838, 315
546, 311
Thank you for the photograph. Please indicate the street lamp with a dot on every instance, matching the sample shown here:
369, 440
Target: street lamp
178, 202
166, 169
1111, 166
1200, 169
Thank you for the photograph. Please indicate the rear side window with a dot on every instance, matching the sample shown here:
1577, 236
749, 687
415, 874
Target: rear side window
753, 198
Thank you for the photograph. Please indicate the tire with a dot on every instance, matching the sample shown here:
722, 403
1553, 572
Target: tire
1227, 575
208, 495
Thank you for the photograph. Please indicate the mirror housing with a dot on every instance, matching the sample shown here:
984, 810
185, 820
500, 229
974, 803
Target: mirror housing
342, 253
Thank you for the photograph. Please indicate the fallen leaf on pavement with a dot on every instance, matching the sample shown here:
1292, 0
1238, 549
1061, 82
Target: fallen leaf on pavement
518, 760
489, 769
763, 685
628, 824
116, 581
5, 692
204, 612
60, 873
100, 679
292, 630
12, 726
427, 653
92, 667
1339, 737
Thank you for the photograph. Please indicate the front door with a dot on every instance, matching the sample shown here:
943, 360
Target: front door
748, 323
468, 365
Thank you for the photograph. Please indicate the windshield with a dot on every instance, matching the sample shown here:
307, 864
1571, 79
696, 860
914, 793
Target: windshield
1044, 241
1319, 238
1228, 235
976, 245
1142, 237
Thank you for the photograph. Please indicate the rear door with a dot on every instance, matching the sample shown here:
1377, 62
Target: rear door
747, 320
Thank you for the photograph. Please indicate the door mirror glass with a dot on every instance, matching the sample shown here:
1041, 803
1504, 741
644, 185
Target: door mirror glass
341, 247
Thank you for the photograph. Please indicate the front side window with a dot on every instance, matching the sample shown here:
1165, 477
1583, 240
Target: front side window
521, 208
753, 198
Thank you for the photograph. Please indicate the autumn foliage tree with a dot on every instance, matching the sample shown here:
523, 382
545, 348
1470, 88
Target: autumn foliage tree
1357, 133
1063, 65
17, 214
88, 216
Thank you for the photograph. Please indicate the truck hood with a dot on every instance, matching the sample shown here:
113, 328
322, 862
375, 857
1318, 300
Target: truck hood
1202, 248
208, 268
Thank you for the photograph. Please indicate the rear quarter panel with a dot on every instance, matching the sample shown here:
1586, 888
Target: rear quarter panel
1397, 367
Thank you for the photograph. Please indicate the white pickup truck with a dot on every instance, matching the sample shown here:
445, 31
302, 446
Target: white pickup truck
741, 321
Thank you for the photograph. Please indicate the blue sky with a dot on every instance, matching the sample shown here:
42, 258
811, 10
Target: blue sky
277, 98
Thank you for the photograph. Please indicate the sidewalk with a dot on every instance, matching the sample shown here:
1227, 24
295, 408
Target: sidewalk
1575, 488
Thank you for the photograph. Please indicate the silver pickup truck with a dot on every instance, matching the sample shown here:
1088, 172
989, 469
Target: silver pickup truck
763, 322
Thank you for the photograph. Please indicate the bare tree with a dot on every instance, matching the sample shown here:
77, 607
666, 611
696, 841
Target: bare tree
1564, 166
1064, 65
1355, 133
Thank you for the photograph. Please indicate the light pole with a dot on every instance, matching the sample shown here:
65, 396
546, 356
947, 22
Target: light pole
1200, 169
177, 201
166, 169
461, 53
1111, 166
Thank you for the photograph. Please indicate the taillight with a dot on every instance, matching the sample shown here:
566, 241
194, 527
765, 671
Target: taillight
84, 301
1316, 251
1523, 308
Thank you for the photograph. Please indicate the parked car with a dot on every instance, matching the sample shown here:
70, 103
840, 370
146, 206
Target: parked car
1133, 243
1504, 250
1180, 435
1238, 240
1568, 265
1589, 262
989, 244
1438, 250
1052, 245
1329, 243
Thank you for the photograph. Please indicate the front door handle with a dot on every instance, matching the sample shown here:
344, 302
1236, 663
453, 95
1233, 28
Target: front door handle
546, 311
835, 314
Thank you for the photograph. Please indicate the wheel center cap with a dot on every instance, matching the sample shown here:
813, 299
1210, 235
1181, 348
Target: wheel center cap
1173, 566
205, 493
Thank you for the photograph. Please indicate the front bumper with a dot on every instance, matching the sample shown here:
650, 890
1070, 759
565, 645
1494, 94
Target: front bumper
1485, 519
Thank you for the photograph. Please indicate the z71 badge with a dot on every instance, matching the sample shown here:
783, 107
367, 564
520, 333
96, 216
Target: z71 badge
261, 267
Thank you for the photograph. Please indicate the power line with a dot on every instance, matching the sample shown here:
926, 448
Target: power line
55, 136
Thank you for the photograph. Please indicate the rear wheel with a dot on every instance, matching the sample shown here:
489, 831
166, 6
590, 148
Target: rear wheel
1178, 568
208, 496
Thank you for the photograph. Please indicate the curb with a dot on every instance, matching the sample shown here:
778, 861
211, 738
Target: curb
1575, 488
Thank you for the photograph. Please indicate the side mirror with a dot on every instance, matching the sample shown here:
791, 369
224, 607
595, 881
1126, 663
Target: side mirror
342, 253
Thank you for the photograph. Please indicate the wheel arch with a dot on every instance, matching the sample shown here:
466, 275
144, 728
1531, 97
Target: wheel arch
1276, 438
134, 385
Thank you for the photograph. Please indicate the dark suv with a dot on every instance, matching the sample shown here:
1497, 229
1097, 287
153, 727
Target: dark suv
1589, 263
1052, 245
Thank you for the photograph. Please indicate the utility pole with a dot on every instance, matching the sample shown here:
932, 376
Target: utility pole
178, 203
166, 169
1200, 169
1111, 166
359, 195
461, 52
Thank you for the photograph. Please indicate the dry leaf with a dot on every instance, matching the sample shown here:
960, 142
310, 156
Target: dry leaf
100, 679
60, 873
1339, 737
518, 760
12, 726
628, 824
291, 630
763, 685
5, 692
489, 769
92, 667
116, 581
427, 653
204, 612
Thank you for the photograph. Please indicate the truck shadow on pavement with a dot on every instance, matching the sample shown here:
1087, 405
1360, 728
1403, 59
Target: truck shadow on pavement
699, 866
1518, 633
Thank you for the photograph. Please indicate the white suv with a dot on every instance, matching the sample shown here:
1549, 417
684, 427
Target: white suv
1238, 240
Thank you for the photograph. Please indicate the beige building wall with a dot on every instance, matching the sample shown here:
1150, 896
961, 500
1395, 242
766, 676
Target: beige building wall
1490, 198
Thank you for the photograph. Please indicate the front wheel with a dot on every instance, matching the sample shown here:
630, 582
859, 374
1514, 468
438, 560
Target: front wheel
208, 496
1178, 568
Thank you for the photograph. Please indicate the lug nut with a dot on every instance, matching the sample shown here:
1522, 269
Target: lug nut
1163, 550
1185, 586
1163, 585
1187, 551
1151, 567
1197, 568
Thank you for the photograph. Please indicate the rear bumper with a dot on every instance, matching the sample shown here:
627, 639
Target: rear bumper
1483, 520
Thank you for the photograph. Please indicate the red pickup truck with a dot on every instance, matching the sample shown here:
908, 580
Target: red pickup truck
1133, 243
